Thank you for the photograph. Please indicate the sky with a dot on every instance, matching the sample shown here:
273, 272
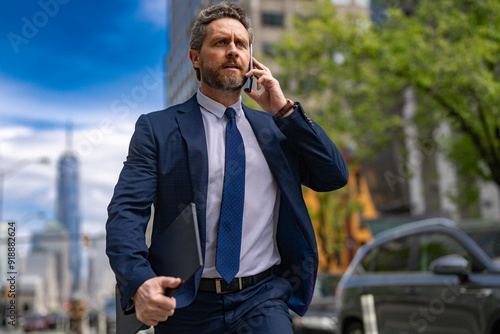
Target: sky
94, 64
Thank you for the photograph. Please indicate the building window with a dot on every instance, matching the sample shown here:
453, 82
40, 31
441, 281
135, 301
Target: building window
272, 19
267, 48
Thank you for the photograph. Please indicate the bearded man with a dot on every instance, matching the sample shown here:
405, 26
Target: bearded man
244, 170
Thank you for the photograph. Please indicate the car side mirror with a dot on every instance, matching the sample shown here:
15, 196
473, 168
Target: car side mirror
453, 264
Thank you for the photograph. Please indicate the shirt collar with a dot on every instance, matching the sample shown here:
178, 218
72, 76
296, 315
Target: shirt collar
215, 107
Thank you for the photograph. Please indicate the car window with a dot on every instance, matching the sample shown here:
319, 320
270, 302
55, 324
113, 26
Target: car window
489, 241
435, 245
393, 255
366, 263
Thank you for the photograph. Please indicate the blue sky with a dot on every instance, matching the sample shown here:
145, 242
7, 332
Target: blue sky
97, 64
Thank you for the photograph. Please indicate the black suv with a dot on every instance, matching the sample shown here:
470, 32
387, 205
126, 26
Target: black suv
424, 277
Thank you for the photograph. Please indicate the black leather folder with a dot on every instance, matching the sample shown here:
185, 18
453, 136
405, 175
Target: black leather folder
178, 254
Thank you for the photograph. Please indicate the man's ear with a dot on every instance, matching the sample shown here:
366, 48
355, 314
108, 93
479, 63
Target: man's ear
194, 55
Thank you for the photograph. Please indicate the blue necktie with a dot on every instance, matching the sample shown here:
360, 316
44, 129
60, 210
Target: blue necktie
227, 259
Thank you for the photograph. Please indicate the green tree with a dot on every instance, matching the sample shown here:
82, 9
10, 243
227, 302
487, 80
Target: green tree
355, 73
332, 217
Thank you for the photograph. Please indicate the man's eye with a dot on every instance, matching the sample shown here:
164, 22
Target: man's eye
220, 43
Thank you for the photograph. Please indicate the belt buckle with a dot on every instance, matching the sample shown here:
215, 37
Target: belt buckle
218, 286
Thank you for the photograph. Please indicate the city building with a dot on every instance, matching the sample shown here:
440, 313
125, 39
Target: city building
101, 279
42, 265
67, 206
181, 80
49, 259
32, 296
3, 252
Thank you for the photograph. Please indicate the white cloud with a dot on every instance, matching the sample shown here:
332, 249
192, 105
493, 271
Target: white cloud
100, 141
90, 107
32, 126
24, 101
100, 171
8, 133
155, 11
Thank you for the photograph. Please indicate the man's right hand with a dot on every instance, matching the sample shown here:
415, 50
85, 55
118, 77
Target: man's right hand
151, 304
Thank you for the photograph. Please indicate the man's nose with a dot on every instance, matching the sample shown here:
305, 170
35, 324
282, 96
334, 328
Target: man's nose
232, 51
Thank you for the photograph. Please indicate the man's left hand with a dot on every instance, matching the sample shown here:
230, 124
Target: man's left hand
272, 99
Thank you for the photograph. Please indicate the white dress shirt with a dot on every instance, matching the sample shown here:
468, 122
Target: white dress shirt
259, 250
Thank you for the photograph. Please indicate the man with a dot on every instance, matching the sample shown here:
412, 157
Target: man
243, 169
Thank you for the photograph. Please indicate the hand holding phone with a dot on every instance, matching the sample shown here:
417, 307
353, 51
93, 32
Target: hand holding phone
272, 98
250, 80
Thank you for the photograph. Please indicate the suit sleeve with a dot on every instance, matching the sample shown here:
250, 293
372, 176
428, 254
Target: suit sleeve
129, 212
323, 167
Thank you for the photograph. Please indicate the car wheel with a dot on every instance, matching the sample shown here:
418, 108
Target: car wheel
355, 328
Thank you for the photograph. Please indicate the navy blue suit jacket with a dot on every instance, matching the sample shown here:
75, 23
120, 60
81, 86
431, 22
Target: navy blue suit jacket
167, 166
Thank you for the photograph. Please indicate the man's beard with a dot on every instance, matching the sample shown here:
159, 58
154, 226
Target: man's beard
230, 82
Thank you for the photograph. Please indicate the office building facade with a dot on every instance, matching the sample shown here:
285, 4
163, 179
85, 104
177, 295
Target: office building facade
68, 208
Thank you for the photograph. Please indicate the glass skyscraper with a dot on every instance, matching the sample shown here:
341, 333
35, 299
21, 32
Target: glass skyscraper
68, 209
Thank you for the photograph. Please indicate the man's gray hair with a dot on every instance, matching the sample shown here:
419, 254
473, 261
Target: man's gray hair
220, 11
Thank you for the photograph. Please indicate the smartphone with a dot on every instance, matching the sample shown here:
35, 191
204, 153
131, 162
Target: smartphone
250, 80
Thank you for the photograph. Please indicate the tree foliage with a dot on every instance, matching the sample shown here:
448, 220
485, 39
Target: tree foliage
331, 218
354, 73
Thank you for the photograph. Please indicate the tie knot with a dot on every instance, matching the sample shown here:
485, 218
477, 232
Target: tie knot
230, 114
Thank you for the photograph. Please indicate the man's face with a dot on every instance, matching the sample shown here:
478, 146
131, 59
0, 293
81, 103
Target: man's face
224, 56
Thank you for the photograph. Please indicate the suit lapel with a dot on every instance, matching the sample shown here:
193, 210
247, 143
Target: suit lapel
192, 130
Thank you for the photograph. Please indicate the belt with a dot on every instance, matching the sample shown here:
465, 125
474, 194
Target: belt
219, 286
